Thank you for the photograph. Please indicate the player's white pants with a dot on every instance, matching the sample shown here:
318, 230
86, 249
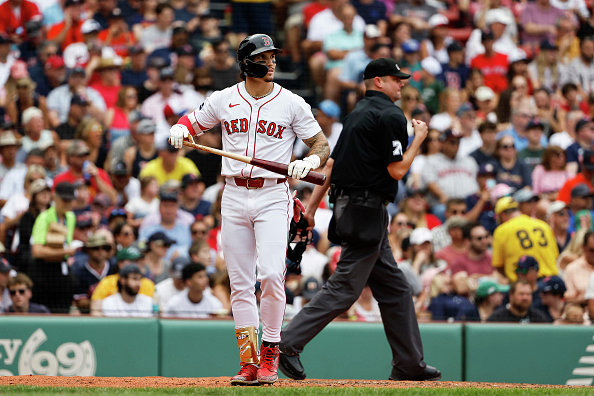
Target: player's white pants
254, 232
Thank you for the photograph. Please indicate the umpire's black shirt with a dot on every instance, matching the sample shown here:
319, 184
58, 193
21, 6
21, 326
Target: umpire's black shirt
373, 136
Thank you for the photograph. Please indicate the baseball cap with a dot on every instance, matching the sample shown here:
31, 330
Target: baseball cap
554, 284
115, 14
189, 178
517, 55
487, 34
484, 93
38, 186
157, 62
456, 222
431, 66
555, 207
117, 212
582, 123
131, 252
84, 220
526, 263
77, 70
488, 287
455, 46
119, 168
420, 235
410, 46
166, 73
185, 50
177, 265
77, 147
146, 126
588, 160
505, 203
97, 240
167, 195
535, 123
310, 287
5, 267
383, 67
135, 116
79, 100
129, 270
372, 31
438, 20
179, 27
450, 134
486, 169
420, 109
581, 191
525, 195
102, 200
497, 15
54, 62
162, 237
72, 2
330, 108
548, 44
8, 139
90, 26
65, 191
465, 108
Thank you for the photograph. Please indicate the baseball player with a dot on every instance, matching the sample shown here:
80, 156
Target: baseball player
258, 118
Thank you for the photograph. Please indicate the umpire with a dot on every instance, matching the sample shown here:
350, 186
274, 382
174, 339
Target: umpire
362, 175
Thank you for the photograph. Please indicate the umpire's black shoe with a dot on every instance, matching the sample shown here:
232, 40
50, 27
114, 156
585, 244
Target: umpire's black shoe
429, 374
290, 365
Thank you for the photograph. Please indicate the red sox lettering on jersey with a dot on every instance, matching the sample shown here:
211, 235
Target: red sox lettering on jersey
264, 128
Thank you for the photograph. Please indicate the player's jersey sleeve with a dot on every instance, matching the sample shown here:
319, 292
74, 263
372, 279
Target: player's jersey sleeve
498, 244
207, 115
304, 124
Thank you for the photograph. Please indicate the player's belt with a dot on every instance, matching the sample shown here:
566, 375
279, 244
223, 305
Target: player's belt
257, 182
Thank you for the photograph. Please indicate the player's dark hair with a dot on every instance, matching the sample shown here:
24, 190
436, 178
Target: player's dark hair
189, 270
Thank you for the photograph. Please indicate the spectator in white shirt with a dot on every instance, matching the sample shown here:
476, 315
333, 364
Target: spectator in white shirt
127, 302
174, 284
196, 302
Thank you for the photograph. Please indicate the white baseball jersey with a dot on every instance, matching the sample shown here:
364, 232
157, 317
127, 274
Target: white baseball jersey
264, 128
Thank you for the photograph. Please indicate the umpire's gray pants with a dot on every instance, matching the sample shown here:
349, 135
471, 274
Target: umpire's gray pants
358, 266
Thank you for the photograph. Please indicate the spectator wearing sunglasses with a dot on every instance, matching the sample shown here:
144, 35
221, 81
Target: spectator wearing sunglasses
477, 261
509, 169
89, 271
20, 288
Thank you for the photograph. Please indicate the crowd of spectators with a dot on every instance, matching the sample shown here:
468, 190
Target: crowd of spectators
100, 215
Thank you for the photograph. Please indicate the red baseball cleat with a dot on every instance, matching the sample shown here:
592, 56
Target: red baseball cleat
268, 370
247, 375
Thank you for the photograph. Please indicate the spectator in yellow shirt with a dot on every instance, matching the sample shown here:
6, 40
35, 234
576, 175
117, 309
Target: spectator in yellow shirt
169, 165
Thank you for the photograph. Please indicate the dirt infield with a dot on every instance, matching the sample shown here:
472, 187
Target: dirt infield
162, 382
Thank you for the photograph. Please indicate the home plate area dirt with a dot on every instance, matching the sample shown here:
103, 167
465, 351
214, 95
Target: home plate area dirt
162, 382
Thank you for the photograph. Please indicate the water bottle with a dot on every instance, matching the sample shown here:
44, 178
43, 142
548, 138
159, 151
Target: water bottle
85, 169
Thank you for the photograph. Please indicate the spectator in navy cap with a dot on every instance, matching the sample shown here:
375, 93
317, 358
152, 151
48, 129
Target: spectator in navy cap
76, 113
455, 72
552, 302
527, 270
192, 188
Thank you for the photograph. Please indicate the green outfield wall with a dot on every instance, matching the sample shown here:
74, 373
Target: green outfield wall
84, 346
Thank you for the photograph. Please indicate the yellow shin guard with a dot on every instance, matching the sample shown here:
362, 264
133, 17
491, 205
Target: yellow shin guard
247, 341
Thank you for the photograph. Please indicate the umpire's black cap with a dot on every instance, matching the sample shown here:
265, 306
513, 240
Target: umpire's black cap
383, 67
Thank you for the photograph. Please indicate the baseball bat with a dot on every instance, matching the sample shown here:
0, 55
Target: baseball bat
273, 166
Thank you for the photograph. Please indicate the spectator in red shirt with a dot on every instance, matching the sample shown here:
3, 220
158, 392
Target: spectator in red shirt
492, 64
109, 83
584, 177
79, 168
68, 31
14, 24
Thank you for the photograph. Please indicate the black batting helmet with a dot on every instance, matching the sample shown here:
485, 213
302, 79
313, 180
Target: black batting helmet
254, 45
